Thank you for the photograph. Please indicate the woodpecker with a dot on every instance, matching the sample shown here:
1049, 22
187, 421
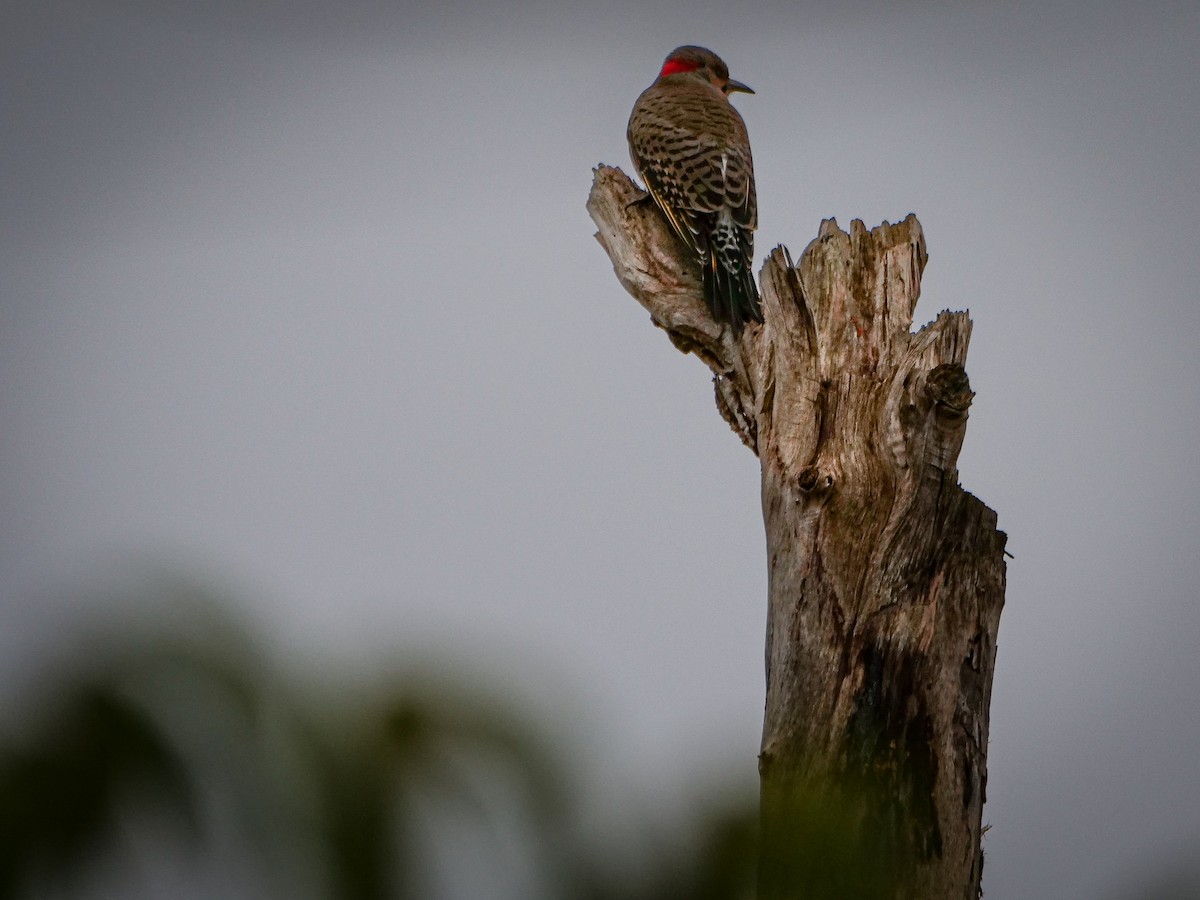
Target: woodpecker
691, 148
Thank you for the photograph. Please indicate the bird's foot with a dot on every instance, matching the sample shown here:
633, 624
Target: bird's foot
639, 201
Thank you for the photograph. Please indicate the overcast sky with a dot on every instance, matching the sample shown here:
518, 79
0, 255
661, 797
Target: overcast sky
304, 300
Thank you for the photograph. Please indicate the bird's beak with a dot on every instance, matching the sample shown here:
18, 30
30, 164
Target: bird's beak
732, 86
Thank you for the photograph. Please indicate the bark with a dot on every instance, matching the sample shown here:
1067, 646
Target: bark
886, 578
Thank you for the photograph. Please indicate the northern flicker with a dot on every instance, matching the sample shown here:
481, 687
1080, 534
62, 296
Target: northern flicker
691, 148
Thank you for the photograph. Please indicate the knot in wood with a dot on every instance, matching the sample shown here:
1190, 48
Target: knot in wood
813, 481
949, 389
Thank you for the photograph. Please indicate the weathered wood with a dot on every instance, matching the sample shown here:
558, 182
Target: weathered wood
886, 578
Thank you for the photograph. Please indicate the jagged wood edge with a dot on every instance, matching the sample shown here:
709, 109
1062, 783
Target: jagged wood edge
651, 265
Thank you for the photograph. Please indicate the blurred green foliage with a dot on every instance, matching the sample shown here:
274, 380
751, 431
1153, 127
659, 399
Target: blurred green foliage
334, 788
366, 789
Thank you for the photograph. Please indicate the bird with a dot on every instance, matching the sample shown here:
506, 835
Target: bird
691, 149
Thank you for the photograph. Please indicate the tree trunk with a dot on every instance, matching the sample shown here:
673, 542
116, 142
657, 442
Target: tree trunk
886, 577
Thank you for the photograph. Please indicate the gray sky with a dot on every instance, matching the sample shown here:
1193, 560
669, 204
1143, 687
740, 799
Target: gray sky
308, 302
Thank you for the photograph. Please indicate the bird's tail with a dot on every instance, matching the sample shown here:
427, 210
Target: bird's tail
730, 290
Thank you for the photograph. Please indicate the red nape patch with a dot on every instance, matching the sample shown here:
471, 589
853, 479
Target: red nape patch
675, 66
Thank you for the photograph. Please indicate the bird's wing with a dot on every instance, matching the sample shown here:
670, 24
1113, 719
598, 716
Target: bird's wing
732, 145
739, 186
698, 173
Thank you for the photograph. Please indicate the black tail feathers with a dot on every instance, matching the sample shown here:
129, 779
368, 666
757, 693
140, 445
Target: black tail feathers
732, 295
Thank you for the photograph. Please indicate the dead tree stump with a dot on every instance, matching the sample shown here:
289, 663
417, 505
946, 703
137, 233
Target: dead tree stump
886, 578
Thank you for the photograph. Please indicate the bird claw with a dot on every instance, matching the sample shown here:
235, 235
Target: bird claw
639, 200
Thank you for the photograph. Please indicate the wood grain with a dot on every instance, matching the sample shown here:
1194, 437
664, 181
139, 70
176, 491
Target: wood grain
886, 578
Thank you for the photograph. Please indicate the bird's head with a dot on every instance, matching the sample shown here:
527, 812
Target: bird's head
703, 63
